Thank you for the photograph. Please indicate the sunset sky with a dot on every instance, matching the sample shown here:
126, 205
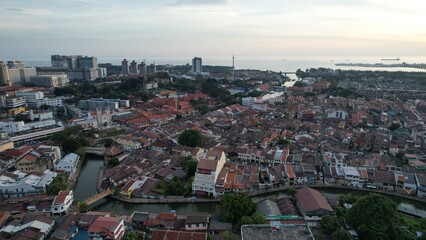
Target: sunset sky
36, 28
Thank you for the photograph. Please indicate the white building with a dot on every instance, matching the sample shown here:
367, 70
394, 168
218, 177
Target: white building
340, 114
85, 123
16, 127
102, 72
351, 176
22, 184
280, 156
50, 80
41, 226
208, 170
255, 103
18, 76
128, 143
111, 104
69, 163
37, 99
62, 202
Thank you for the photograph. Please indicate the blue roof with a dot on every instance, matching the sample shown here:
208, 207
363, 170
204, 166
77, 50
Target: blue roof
81, 235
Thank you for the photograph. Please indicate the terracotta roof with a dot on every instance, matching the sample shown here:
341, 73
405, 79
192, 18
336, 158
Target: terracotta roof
178, 235
113, 151
59, 200
207, 164
310, 200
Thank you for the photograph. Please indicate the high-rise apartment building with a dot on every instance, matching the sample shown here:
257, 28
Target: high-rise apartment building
142, 68
87, 62
72, 61
19, 76
59, 61
15, 64
197, 65
125, 66
82, 68
133, 67
4, 75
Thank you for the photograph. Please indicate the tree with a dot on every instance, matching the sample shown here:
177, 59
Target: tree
394, 126
329, 224
374, 217
299, 84
282, 141
254, 93
233, 207
70, 145
21, 117
108, 142
258, 218
58, 184
178, 188
246, 220
227, 236
132, 236
113, 162
44, 107
190, 166
292, 191
191, 138
341, 234
203, 108
83, 207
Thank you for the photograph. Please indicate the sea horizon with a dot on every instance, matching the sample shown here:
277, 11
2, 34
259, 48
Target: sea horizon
273, 63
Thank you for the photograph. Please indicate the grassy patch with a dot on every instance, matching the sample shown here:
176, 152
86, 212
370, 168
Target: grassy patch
413, 223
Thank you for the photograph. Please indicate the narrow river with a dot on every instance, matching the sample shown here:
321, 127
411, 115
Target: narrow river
87, 182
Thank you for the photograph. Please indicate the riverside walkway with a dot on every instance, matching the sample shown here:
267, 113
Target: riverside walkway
177, 199
412, 212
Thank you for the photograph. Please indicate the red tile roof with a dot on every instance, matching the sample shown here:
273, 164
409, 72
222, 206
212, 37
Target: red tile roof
310, 200
178, 235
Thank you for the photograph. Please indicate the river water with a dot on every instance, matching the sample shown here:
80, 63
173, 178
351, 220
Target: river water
87, 183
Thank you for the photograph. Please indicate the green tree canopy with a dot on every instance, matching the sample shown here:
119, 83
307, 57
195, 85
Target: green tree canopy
374, 217
58, 184
341, 234
113, 162
132, 236
394, 126
191, 138
190, 166
254, 93
83, 207
246, 220
329, 224
233, 207
227, 236
258, 218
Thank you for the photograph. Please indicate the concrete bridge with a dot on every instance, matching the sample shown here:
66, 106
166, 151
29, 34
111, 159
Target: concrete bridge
100, 151
97, 197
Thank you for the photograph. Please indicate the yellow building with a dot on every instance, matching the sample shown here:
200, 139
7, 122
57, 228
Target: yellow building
6, 145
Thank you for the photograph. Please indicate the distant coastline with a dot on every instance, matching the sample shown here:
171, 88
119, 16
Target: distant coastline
405, 65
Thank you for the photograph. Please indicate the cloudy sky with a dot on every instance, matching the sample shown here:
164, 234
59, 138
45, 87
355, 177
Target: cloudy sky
38, 28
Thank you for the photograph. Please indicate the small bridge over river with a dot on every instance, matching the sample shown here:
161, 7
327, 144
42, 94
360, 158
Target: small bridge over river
100, 151
97, 197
